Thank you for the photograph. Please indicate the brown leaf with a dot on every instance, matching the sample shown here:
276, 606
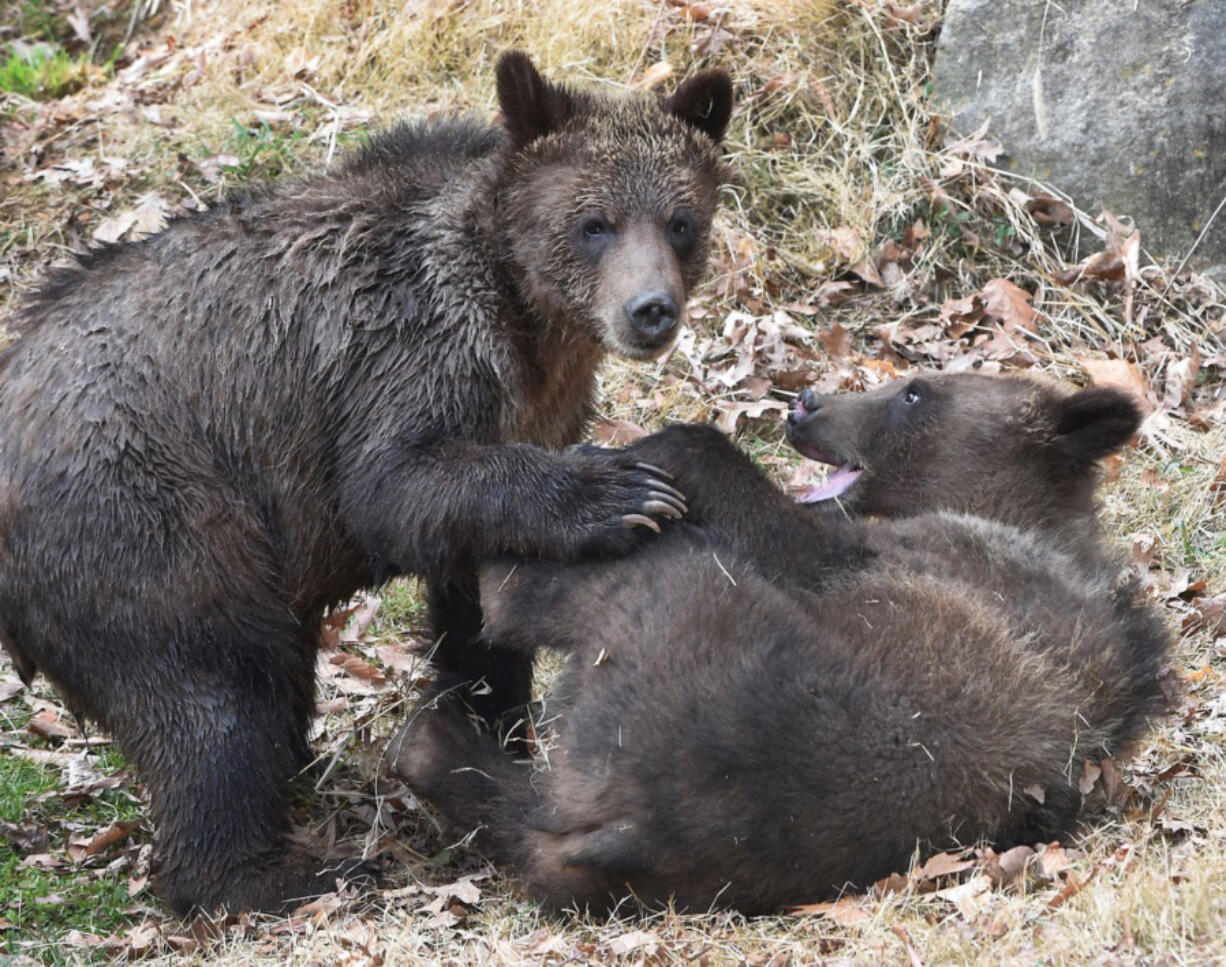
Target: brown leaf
1005, 868
971, 897
1121, 374
47, 725
1053, 860
729, 413
617, 433
843, 241
75, 938
1090, 771
29, 838
836, 340
653, 76
398, 659
358, 667
320, 910
1217, 487
834, 293
894, 883
300, 64
1009, 303
141, 937
149, 216
976, 147
333, 624
1208, 615
1047, 210
106, 838
794, 380
960, 315
43, 861
363, 618
845, 910
867, 271
943, 864
716, 40
1181, 377
1071, 888
916, 234
78, 20
642, 942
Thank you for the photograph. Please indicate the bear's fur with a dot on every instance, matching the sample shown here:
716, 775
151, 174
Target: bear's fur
766, 706
209, 436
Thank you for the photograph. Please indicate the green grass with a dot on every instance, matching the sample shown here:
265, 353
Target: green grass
43, 73
259, 151
402, 606
44, 905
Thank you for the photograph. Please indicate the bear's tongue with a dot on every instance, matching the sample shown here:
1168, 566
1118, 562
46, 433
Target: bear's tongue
837, 483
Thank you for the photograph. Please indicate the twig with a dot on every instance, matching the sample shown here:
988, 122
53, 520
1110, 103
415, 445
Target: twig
647, 43
1175, 274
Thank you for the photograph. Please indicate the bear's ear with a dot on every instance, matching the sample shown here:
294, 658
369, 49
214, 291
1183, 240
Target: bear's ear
1095, 422
530, 105
704, 101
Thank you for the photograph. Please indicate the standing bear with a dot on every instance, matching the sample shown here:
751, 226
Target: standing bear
208, 437
768, 705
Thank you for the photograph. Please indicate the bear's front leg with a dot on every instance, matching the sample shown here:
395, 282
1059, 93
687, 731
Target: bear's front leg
445, 509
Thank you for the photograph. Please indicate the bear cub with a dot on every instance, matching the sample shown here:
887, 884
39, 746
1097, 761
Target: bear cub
210, 436
769, 703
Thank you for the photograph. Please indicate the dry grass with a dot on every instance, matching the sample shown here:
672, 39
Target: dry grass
837, 158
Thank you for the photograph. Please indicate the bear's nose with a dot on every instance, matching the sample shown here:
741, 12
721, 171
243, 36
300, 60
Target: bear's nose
653, 315
807, 403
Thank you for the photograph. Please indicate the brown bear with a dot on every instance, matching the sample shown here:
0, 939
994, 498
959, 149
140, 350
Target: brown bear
208, 437
766, 706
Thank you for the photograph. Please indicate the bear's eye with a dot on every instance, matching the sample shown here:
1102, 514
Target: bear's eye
682, 233
911, 397
595, 228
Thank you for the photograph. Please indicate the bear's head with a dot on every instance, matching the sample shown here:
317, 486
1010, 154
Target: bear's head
606, 201
1013, 448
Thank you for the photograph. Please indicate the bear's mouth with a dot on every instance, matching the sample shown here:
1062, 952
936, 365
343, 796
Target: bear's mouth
837, 483
845, 474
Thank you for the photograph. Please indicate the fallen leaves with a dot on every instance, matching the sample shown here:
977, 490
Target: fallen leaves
616, 433
104, 839
968, 882
987, 329
149, 216
47, 725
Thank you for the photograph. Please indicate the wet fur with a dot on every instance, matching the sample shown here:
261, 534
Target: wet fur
210, 436
769, 704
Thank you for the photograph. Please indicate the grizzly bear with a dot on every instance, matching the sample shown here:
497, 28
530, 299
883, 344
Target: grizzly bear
766, 706
210, 436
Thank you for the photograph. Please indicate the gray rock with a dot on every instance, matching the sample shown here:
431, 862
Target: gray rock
1120, 104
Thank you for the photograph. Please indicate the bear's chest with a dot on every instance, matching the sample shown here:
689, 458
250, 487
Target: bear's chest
553, 400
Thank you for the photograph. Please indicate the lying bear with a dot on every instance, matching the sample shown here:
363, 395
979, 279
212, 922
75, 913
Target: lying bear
208, 437
766, 706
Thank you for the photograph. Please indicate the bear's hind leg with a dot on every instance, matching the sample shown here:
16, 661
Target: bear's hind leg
459, 767
217, 732
496, 682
